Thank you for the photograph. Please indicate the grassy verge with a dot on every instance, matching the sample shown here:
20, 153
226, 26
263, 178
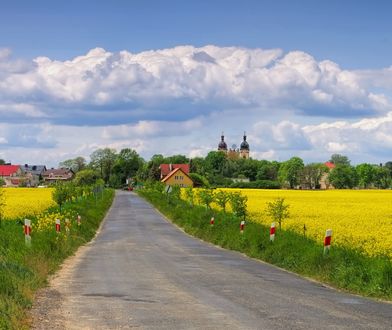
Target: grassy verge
343, 268
25, 269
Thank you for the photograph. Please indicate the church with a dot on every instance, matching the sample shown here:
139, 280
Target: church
234, 152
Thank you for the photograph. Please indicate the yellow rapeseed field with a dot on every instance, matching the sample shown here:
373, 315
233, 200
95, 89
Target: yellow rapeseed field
23, 202
359, 218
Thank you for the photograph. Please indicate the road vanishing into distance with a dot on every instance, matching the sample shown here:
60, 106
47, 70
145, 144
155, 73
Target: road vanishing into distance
143, 272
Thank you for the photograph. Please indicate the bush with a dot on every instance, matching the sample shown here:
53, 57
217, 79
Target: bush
199, 180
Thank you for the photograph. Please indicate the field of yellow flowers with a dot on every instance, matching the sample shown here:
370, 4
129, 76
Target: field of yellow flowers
361, 219
24, 202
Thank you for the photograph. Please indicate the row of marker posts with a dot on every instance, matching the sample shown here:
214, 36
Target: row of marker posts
327, 238
27, 228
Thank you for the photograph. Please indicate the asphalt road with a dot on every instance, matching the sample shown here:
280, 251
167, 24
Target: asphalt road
143, 272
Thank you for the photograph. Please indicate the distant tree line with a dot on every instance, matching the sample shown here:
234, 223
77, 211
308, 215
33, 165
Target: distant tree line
217, 170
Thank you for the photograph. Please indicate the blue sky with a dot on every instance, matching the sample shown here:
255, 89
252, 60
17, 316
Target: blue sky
355, 34
305, 78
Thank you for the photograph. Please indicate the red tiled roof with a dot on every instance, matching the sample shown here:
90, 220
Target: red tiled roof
8, 170
330, 165
165, 168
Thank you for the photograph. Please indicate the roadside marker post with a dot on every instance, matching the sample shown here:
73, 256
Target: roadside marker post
327, 241
58, 226
212, 221
272, 232
242, 226
79, 220
27, 231
67, 225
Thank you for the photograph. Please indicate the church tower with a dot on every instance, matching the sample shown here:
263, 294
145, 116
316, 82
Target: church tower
222, 146
244, 148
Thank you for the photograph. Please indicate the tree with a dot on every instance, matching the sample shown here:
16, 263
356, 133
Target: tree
238, 204
2, 161
206, 197
60, 194
290, 171
268, 170
86, 177
150, 170
176, 159
104, 160
248, 168
222, 198
366, 175
199, 180
382, 177
311, 175
343, 176
75, 164
215, 162
338, 159
197, 165
278, 210
127, 164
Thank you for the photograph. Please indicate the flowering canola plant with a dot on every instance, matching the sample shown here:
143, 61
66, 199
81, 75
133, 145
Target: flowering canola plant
26, 202
47, 220
360, 219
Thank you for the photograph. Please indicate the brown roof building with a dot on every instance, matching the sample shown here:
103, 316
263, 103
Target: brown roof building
58, 174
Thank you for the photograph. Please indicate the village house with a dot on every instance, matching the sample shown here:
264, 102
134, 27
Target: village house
33, 174
12, 175
176, 174
324, 182
58, 174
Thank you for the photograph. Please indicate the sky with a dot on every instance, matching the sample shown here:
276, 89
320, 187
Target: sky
301, 78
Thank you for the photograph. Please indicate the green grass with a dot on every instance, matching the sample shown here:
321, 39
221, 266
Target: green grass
23, 269
343, 268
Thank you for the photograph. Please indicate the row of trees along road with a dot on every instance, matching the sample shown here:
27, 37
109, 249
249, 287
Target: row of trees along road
218, 170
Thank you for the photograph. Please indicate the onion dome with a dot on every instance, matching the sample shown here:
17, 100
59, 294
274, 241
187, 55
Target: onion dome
222, 144
244, 145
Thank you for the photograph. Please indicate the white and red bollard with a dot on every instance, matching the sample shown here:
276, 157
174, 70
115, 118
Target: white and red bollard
212, 221
327, 241
272, 232
67, 225
27, 231
58, 226
242, 226
79, 220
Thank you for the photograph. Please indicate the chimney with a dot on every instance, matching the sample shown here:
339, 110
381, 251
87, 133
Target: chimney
170, 167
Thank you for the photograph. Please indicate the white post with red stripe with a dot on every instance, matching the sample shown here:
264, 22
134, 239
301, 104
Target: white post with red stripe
58, 228
212, 221
242, 226
272, 232
327, 241
27, 231
79, 220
